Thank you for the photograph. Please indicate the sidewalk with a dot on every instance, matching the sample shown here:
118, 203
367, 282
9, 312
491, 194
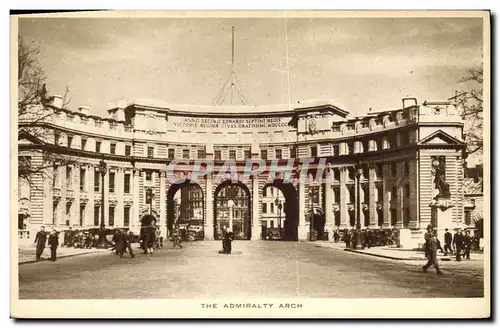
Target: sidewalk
394, 253
27, 254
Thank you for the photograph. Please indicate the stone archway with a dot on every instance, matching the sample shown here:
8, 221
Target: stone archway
189, 208
290, 209
232, 207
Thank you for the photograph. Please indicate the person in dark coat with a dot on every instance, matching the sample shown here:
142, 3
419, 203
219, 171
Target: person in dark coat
120, 242
432, 245
427, 237
448, 238
467, 244
458, 242
129, 238
40, 241
53, 243
367, 240
176, 237
227, 241
347, 238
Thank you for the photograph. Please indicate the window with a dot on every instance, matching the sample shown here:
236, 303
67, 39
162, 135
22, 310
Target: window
336, 128
69, 173
314, 151
272, 191
201, 153
468, 217
84, 144
185, 153
366, 145
272, 223
336, 150
82, 214
246, 153
394, 193
82, 179
97, 210
263, 154
407, 190
171, 153
407, 169
70, 141
151, 151
264, 208
293, 152
68, 213
264, 192
126, 183
272, 207
278, 153
97, 178
126, 216
111, 181
149, 176
112, 148
128, 150
111, 216
232, 154
394, 169
57, 137
218, 155
97, 146
350, 148
380, 171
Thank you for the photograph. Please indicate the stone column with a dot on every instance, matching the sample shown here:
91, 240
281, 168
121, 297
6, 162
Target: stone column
372, 201
119, 184
344, 214
386, 199
61, 207
163, 204
329, 200
105, 201
48, 200
400, 196
134, 220
75, 208
413, 201
209, 208
256, 230
302, 228
89, 209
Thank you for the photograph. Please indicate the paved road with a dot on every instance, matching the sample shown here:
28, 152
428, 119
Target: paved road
257, 269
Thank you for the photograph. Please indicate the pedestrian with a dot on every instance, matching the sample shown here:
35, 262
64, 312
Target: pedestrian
336, 236
427, 236
367, 240
176, 237
458, 242
129, 238
40, 240
120, 242
227, 241
53, 243
347, 238
432, 245
448, 238
467, 244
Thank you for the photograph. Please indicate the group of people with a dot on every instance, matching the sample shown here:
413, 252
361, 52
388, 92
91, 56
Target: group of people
41, 240
78, 239
460, 243
123, 242
368, 237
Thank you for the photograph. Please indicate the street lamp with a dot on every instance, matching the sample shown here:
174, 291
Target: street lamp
279, 206
311, 219
230, 203
149, 199
103, 168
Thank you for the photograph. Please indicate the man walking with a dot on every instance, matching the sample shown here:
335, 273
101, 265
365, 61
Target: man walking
432, 245
458, 242
448, 238
40, 240
176, 237
53, 243
129, 237
368, 238
467, 244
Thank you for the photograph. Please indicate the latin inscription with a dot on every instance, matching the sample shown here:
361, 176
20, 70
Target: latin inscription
230, 123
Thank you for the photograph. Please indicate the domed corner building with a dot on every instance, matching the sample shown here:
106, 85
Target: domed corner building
398, 169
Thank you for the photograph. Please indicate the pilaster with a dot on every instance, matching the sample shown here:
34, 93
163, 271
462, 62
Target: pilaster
209, 208
256, 230
372, 201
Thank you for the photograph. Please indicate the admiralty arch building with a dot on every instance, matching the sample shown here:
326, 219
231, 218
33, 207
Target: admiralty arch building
400, 168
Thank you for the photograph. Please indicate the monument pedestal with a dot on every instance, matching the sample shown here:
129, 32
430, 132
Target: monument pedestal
442, 215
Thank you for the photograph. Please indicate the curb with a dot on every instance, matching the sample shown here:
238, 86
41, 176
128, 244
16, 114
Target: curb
413, 258
59, 257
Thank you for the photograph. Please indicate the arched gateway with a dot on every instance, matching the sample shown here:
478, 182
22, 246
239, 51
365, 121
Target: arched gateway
370, 171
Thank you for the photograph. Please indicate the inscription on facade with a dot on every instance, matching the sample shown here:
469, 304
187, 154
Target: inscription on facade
230, 123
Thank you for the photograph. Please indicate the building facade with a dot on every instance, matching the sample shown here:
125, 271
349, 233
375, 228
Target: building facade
399, 168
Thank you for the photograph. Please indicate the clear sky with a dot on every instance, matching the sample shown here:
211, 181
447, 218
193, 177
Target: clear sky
360, 63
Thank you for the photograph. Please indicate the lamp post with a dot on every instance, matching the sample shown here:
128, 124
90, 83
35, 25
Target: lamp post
359, 173
311, 219
230, 203
279, 205
149, 199
102, 230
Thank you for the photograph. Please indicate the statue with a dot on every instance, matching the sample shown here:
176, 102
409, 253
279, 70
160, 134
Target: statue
311, 125
438, 171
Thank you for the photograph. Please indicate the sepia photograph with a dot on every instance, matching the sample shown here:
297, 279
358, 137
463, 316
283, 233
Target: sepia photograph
250, 164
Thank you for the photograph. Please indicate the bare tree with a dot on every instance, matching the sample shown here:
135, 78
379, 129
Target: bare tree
470, 99
34, 111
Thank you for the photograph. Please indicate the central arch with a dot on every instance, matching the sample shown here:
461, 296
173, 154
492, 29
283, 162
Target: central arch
290, 209
188, 208
241, 211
